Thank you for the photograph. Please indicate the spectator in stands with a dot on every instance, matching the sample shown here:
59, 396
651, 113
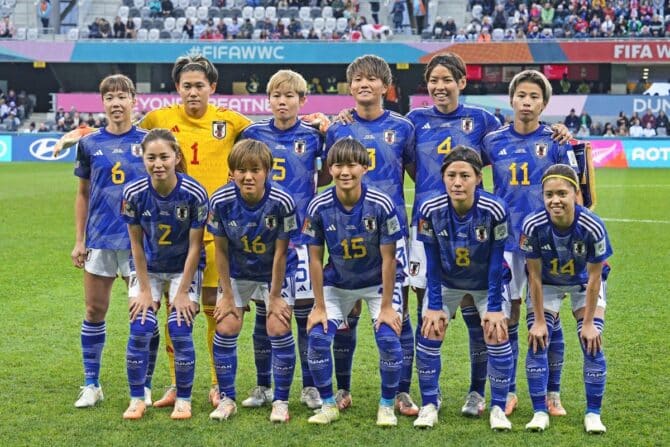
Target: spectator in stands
583, 132
635, 128
607, 27
246, 30
622, 120
565, 84
585, 119
222, 29
510, 7
68, 121
7, 29
155, 8
583, 88
634, 116
281, 4
94, 29
167, 8
621, 27
559, 16
419, 11
450, 28
460, 36
268, 26
338, 8
648, 118
374, 9
44, 14
534, 32
315, 86
500, 17
119, 28
312, 34
509, 34
60, 126
32, 128
572, 121
438, 28
547, 14
188, 30
42, 128
498, 114
234, 28
484, 36
397, 12
662, 123
105, 28
294, 28
608, 131
331, 85
648, 131
90, 120
131, 32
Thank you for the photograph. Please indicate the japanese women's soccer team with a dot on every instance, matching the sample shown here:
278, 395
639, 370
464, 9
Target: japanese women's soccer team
156, 207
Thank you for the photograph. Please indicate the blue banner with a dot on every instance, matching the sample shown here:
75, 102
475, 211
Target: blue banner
37, 147
5, 148
652, 153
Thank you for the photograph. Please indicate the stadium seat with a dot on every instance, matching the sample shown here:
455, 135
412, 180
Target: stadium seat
498, 34
225, 12
169, 23
271, 12
214, 12
426, 34
285, 21
158, 23
256, 34
202, 13
259, 13
228, 21
124, 12
307, 23
477, 12
84, 33
236, 12
177, 34
145, 12
128, 3
20, 33
240, 3
190, 13
247, 12
206, 3
259, 25
293, 12
179, 23
230, 4
330, 24
32, 34
327, 12
183, 4
137, 22
147, 23
283, 12
154, 34
165, 34
133, 12
216, 20
178, 12
315, 12
73, 34
142, 34
195, 3
319, 24
304, 13
559, 33
341, 25
139, 4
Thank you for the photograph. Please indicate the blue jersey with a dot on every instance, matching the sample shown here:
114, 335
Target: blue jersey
109, 162
464, 253
296, 153
166, 221
436, 133
519, 162
564, 254
253, 230
389, 140
354, 237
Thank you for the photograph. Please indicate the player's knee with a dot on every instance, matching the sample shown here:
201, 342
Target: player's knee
229, 326
276, 328
179, 330
146, 329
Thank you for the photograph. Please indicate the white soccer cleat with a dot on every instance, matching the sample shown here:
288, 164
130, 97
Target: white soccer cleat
474, 405
498, 420
259, 396
227, 408
147, 396
592, 424
325, 415
540, 422
310, 397
386, 416
279, 411
427, 416
89, 396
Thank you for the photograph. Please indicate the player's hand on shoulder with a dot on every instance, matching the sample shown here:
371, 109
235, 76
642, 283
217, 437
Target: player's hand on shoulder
317, 120
71, 138
346, 116
560, 133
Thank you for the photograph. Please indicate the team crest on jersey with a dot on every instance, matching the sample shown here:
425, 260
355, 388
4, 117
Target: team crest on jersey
299, 147
467, 124
541, 149
414, 268
579, 248
481, 233
181, 212
370, 224
219, 129
270, 222
389, 136
136, 150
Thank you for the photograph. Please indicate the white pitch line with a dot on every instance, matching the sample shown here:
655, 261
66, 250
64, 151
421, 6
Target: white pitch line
649, 221
630, 186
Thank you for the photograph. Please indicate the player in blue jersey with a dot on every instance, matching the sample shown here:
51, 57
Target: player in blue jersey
296, 152
166, 214
360, 228
106, 160
389, 139
464, 232
519, 154
565, 246
252, 220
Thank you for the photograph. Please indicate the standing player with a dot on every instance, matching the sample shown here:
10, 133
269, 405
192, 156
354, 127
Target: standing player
389, 140
565, 246
166, 214
360, 227
252, 221
296, 152
206, 134
106, 160
464, 233
519, 154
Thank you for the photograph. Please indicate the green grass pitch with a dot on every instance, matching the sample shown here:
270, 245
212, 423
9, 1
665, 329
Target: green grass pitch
41, 369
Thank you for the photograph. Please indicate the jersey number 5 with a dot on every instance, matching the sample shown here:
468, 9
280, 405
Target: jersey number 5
279, 168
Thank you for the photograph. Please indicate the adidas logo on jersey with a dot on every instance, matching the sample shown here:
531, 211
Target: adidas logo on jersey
232, 223
546, 247
426, 126
174, 129
302, 289
147, 213
331, 227
503, 152
97, 153
443, 233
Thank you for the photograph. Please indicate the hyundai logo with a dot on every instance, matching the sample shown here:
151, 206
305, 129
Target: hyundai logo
43, 149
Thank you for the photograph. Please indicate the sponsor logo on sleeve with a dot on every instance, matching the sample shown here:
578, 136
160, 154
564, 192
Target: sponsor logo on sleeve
290, 223
393, 225
600, 247
500, 231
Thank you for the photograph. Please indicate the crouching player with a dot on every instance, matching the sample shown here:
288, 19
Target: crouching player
252, 220
566, 246
360, 228
166, 214
464, 233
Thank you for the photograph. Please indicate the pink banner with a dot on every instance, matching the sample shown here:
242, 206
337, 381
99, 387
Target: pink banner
247, 105
608, 153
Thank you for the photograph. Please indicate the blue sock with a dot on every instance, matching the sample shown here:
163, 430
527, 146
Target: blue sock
390, 360
320, 359
225, 363
428, 367
92, 342
537, 367
499, 370
283, 364
478, 357
407, 344
184, 355
513, 332
344, 346
301, 313
153, 354
137, 352
595, 372
555, 356
262, 348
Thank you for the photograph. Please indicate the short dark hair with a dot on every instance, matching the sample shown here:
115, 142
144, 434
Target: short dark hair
451, 61
348, 150
463, 153
194, 63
